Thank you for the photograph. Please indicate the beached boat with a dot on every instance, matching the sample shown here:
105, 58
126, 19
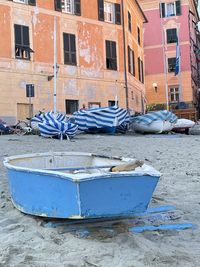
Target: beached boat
103, 120
157, 126
79, 185
154, 122
183, 126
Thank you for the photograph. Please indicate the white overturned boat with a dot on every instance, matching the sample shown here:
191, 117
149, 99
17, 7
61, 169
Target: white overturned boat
154, 122
183, 126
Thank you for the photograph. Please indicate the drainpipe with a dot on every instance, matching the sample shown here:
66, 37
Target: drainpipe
124, 49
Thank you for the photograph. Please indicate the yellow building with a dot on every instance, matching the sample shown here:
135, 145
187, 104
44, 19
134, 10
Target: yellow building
94, 40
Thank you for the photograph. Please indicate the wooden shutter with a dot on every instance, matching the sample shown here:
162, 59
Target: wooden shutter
113, 56
129, 59
178, 8
66, 48
162, 10
32, 2
77, 7
25, 31
58, 5
108, 53
18, 35
101, 10
142, 70
171, 36
129, 21
117, 14
138, 31
65, 41
73, 48
133, 59
69, 44
139, 71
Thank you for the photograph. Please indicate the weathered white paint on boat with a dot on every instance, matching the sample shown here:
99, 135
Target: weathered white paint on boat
82, 188
182, 125
157, 126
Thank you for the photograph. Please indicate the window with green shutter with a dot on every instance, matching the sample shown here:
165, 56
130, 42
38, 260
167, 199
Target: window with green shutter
68, 6
111, 55
171, 35
29, 2
109, 12
129, 22
69, 45
22, 45
171, 64
170, 9
131, 61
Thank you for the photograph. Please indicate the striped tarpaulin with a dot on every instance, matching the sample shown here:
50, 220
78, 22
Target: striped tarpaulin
38, 118
51, 116
56, 125
102, 118
163, 115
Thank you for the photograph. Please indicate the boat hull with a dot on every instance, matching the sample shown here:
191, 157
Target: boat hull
107, 130
183, 126
154, 127
58, 195
157, 126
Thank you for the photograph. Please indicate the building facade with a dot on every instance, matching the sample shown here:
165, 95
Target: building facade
97, 56
171, 25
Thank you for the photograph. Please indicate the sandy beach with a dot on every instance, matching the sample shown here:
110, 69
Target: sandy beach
29, 241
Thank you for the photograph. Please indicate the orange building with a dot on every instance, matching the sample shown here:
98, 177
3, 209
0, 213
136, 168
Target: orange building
99, 55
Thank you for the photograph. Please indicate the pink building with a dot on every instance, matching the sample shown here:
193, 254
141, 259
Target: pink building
167, 22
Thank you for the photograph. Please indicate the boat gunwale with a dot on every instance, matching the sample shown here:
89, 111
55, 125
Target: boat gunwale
70, 176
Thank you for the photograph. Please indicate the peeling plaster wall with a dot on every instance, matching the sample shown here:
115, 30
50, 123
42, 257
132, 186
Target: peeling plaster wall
89, 81
90, 45
43, 38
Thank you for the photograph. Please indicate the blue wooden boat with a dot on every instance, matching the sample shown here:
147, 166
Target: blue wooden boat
78, 185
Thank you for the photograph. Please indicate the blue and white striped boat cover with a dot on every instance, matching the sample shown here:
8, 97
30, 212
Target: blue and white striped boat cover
38, 118
51, 116
57, 125
60, 129
102, 119
163, 115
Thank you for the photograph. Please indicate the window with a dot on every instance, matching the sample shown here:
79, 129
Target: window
138, 32
111, 103
171, 64
140, 70
171, 36
109, 12
170, 9
111, 55
22, 46
94, 104
69, 45
71, 106
68, 6
129, 22
30, 2
174, 94
131, 61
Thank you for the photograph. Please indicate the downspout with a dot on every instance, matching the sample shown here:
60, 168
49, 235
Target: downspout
124, 50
